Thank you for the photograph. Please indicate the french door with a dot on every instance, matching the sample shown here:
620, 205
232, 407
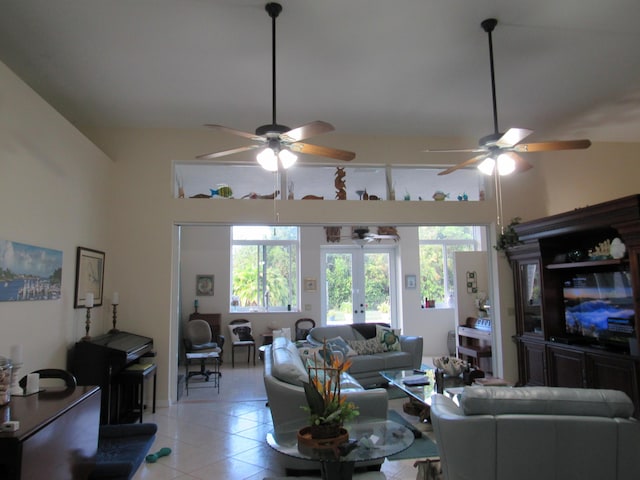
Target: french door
358, 285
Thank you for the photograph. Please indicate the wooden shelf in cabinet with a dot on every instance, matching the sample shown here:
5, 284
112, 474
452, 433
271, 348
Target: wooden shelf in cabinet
589, 263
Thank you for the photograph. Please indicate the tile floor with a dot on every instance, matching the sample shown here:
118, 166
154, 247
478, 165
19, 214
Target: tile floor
222, 436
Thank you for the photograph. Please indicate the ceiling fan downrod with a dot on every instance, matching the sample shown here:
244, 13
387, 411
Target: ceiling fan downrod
273, 9
488, 25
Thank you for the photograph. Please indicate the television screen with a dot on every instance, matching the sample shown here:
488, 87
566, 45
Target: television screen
600, 306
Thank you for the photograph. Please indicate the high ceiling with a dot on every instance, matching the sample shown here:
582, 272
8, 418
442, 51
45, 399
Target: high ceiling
564, 68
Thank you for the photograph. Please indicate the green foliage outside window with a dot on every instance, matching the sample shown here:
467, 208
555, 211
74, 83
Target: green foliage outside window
437, 258
265, 267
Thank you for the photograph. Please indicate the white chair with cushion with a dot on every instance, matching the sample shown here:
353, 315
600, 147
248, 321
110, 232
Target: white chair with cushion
241, 337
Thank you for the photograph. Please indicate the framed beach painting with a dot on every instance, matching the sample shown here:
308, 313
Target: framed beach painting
28, 272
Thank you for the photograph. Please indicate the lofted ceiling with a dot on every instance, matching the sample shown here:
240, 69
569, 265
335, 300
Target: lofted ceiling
564, 68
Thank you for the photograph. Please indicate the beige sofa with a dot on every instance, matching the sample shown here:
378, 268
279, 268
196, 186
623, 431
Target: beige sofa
534, 433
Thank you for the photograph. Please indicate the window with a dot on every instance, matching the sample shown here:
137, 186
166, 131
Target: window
264, 268
437, 262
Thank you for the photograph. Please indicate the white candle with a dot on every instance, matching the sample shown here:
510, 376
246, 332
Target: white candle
116, 298
33, 383
88, 300
16, 354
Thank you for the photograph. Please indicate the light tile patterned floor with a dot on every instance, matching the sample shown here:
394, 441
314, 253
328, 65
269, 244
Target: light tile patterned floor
222, 436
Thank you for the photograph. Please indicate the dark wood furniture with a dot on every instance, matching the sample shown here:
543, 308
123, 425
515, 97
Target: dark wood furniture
552, 252
100, 360
57, 438
130, 395
474, 343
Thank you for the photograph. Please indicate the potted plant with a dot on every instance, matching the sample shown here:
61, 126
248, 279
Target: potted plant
509, 237
328, 410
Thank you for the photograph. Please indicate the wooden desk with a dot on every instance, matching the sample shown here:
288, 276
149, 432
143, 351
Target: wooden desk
58, 435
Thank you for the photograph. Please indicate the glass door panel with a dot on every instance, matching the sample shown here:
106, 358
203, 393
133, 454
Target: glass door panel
338, 288
358, 285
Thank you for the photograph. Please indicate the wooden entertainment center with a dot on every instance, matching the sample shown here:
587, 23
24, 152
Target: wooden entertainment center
558, 256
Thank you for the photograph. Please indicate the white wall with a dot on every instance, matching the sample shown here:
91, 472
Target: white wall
54, 191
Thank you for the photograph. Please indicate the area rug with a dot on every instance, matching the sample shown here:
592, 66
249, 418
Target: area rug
420, 448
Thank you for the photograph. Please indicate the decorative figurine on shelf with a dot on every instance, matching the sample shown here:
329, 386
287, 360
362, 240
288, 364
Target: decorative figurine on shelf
341, 190
290, 188
463, 198
254, 196
223, 191
601, 251
333, 234
440, 196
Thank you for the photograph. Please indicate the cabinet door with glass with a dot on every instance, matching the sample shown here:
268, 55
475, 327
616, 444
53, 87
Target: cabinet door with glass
529, 298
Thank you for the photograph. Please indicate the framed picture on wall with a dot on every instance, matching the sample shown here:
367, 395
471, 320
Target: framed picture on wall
204, 285
410, 282
310, 285
89, 276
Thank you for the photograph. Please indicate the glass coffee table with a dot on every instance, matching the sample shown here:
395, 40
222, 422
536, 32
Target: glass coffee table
420, 387
368, 440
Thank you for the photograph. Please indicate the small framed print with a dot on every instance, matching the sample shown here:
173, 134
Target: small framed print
310, 285
410, 282
204, 285
89, 276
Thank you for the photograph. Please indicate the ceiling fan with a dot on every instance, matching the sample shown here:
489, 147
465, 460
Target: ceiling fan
501, 150
362, 235
279, 142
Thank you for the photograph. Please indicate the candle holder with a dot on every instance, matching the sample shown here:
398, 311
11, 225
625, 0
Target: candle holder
16, 389
87, 326
115, 319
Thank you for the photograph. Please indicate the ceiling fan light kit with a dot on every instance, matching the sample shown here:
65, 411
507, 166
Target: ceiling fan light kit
278, 142
497, 152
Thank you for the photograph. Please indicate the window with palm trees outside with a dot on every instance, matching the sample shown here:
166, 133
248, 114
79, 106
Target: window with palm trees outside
264, 268
438, 245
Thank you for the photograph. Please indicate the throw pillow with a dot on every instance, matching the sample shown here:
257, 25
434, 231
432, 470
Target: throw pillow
366, 347
241, 332
388, 339
309, 353
338, 344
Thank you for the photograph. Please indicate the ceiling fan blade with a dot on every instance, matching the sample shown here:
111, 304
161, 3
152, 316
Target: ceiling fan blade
466, 163
460, 150
521, 164
306, 131
548, 146
233, 131
322, 151
224, 153
513, 136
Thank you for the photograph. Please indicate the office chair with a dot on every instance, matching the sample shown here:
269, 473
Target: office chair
240, 330
198, 340
303, 326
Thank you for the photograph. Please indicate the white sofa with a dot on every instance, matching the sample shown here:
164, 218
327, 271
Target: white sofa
365, 368
534, 433
284, 373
